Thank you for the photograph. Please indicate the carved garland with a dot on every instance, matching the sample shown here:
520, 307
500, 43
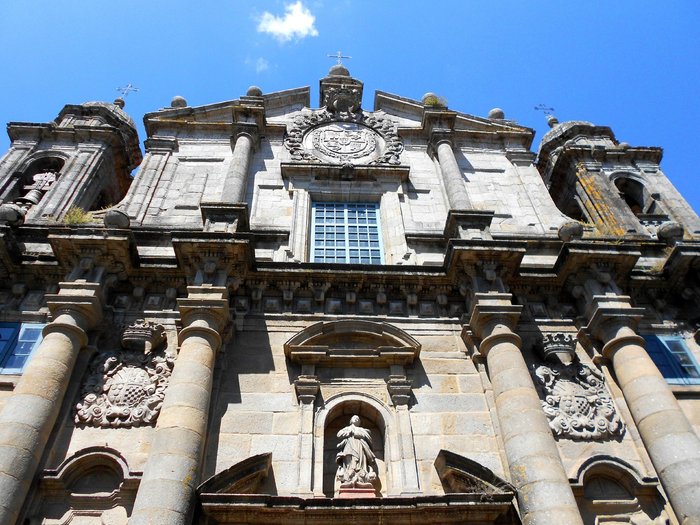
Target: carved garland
126, 388
294, 138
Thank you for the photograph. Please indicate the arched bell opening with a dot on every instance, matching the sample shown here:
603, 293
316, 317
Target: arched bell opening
638, 198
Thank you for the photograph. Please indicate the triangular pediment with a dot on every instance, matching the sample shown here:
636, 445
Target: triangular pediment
409, 113
275, 104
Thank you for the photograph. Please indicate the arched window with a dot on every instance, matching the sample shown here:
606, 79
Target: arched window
37, 179
637, 197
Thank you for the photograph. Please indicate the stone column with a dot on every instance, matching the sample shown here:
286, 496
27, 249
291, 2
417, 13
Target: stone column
166, 494
237, 175
673, 446
30, 414
452, 175
536, 471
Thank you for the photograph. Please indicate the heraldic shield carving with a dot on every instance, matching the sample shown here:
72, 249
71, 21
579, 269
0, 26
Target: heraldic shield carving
344, 137
126, 387
574, 396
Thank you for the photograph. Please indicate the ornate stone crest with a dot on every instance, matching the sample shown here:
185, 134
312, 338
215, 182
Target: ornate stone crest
126, 388
574, 396
344, 141
343, 137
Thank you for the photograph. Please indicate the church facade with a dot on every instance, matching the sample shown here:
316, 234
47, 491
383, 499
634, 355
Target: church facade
315, 315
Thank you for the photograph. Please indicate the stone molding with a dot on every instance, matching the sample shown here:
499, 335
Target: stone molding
355, 344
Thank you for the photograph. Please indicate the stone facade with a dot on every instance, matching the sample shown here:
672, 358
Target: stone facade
510, 360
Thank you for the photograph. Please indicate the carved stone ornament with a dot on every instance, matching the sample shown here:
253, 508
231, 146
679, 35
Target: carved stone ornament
577, 403
319, 136
126, 388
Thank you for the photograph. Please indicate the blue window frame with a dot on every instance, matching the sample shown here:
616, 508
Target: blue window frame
344, 232
17, 342
673, 359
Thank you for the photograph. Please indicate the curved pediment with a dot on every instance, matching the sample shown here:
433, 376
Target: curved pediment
352, 343
245, 477
464, 476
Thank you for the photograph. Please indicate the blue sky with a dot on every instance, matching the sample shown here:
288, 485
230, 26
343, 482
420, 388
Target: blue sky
631, 65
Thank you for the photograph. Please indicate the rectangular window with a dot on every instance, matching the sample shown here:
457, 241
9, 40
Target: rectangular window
346, 233
673, 359
17, 342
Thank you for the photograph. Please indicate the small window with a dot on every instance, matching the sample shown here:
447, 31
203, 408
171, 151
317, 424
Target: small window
673, 359
346, 233
17, 342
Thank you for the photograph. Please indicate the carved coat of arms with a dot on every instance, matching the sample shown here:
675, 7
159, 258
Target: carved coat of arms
577, 403
126, 387
344, 141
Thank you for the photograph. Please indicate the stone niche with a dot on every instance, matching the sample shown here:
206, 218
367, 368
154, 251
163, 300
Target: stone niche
610, 491
95, 485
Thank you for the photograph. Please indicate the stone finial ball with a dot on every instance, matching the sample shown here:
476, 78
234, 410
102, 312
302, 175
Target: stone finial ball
552, 120
178, 102
119, 102
339, 70
254, 91
429, 99
497, 113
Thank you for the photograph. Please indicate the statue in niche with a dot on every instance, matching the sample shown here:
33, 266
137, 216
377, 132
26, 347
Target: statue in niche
355, 457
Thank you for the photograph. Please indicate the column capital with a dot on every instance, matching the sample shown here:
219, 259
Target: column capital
208, 304
440, 136
77, 304
494, 318
610, 313
246, 129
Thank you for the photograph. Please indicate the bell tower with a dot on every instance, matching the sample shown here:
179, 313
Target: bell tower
83, 159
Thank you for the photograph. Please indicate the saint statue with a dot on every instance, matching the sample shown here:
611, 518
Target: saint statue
355, 458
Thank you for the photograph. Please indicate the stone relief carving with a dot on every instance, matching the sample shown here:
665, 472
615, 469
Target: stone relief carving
315, 136
126, 387
575, 398
344, 141
355, 458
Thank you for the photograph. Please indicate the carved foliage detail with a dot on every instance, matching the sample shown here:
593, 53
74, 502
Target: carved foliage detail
126, 388
294, 138
577, 403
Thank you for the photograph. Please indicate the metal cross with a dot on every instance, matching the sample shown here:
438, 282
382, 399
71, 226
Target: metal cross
544, 109
129, 88
339, 56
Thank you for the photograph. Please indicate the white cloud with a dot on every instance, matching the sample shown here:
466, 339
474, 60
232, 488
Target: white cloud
261, 65
297, 22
